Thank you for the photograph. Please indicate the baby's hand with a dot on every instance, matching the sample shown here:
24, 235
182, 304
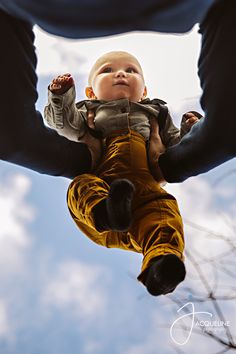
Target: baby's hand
190, 119
61, 84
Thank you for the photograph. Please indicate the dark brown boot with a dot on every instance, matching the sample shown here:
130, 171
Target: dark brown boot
114, 213
164, 274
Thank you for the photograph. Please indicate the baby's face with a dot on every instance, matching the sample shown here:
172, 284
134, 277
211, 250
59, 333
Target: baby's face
118, 76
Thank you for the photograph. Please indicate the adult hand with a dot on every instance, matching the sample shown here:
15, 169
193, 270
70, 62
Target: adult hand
156, 148
94, 144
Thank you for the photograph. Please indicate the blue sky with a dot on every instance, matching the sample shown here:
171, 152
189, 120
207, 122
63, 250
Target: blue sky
59, 292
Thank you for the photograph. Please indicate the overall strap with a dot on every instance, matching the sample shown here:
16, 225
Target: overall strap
162, 116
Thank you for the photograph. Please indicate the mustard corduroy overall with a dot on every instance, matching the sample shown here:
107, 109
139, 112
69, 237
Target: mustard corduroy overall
157, 225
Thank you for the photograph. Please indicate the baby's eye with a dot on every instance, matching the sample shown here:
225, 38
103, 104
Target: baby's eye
108, 69
131, 70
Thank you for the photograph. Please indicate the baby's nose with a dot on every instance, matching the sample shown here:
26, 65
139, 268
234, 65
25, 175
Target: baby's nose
121, 73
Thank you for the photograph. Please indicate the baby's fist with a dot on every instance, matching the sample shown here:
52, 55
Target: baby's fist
61, 84
191, 118
188, 120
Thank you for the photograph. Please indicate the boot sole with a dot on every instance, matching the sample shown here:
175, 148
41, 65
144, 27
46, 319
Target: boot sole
119, 204
164, 275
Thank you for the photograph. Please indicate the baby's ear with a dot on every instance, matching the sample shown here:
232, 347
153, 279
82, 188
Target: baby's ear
144, 92
89, 93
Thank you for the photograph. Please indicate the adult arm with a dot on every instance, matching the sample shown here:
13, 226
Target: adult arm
170, 135
24, 139
211, 141
96, 18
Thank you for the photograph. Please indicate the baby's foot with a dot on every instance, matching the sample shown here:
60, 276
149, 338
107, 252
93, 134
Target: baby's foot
119, 204
165, 273
114, 213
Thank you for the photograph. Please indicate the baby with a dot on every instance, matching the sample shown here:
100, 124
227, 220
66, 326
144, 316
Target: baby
120, 204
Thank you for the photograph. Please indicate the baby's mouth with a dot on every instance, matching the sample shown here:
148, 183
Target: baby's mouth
122, 83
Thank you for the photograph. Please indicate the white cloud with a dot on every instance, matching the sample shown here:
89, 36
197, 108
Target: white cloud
93, 346
196, 198
15, 213
77, 288
5, 327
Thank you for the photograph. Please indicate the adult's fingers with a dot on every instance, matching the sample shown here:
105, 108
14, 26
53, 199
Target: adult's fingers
90, 119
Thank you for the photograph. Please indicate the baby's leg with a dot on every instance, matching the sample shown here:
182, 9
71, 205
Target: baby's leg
100, 206
114, 212
157, 228
84, 193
